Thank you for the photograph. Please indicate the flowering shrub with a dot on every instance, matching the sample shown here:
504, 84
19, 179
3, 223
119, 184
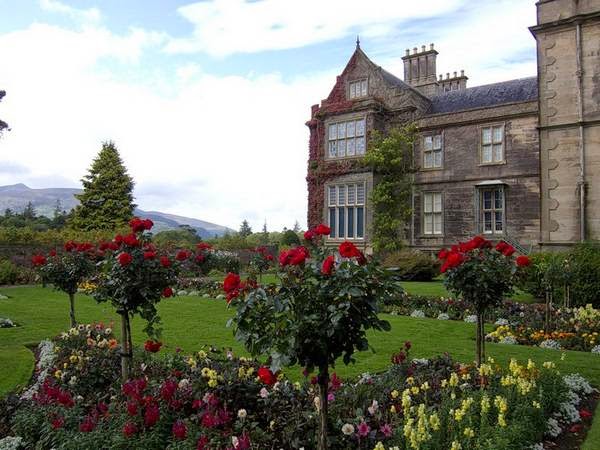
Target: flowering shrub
214, 400
134, 278
482, 275
65, 271
319, 313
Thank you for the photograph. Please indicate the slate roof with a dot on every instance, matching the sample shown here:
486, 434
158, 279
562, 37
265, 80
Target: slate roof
520, 90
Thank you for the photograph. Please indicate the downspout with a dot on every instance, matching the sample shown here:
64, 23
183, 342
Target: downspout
581, 182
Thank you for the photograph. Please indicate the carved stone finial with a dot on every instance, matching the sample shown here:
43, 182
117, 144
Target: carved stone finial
357, 41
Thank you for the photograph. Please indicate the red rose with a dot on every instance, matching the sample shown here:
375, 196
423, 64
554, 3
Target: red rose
152, 346
523, 261
443, 254
508, 250
58, 422
70, 246
200, 258
297, 256
231, 282
453, 260
309, 235
182, 255
129, 429
88, 425
165, 261
328, 265
322, 229
132, 408
266, 376
137, 225
38, 260
167, 292
179, 430
151, 415
84, 247
203, 246
585, 414
348, 250
131, 240
500, 246
148, 224
124, 259
283, 257
118, 239
149, 255
576, 428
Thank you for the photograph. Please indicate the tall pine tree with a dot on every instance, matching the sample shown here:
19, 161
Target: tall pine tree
107, 199
245, 229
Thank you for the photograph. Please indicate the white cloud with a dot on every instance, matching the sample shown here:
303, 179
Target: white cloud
216, 148
85, 15
224, 27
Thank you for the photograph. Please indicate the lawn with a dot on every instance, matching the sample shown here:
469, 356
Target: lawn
190, 322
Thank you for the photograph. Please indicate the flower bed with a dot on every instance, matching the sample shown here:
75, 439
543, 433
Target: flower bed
213, 400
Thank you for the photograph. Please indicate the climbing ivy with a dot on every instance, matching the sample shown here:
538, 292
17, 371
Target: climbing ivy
390, 157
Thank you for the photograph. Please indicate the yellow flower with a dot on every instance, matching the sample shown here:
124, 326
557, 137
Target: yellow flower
395, 394
549, 365
202, 354
74, 359
204, 372
425, 386
485, 404
453, 380
456, 446
58, 373
393, 409
469, 433
414, 390
379, 446
410, 381
212, 383
536, 404
434, 421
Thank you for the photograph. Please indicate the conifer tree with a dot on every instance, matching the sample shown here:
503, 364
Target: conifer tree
245, 229
107, 199
3, 125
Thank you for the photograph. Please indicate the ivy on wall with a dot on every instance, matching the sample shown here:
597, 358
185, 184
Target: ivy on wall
390, 157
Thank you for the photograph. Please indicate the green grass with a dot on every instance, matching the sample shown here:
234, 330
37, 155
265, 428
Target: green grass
190, 322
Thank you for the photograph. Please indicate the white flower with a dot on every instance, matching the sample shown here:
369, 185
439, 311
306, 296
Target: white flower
538, 446
551, 344
235, 441
470, 319
348, 429
11, 443
417, 313
242, 413
577, 383
501, 322
317, 403
596, 349
373, 408
553, 428
73, 380
108, 331
568, 412
510, 340
443, 316
421, 361
183, 384
264, 393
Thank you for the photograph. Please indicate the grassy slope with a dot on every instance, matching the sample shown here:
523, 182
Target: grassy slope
190, 322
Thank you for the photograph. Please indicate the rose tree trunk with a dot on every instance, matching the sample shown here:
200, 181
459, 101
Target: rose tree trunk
323, 385
126, 346
72, 309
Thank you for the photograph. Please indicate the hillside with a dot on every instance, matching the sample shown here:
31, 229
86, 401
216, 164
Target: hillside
17, 196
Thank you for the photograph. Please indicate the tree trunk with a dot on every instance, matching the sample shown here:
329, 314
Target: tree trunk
548, 307
72, 309
323, 385
479, 339
126, 347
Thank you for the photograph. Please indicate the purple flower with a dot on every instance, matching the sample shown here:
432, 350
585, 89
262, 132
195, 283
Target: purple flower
386, 430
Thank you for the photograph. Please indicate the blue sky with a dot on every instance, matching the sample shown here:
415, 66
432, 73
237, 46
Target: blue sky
207, 100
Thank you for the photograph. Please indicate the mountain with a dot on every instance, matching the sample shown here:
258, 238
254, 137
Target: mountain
16, 197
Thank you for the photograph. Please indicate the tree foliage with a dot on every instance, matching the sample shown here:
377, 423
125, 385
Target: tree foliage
245, 229
107, 199
3, 125
390, 157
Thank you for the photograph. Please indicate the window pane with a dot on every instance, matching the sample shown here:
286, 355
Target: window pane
498, 220
486, 136
350, 147
487, 199
332, 222
486, 154
437, 202
428, 224
437, 141
360, 227
332, 131
437, 223
332, 195
350, 129
437, 159
351, 194
350, 222
352, 90
498, 134
428, 160
360, 194
428, 143
498, 198
360, 146
341, 148
341, 223
332, 149
341, 134
498, 156
341, 195
487, 222
427, 203
363, 88
360, 127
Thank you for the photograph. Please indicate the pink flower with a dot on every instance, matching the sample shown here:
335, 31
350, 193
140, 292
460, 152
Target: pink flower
386, 430
179, 430
363, 429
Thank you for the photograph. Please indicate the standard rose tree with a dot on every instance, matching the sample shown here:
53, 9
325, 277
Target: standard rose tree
66, 270
320, 312
134, 278
483, 275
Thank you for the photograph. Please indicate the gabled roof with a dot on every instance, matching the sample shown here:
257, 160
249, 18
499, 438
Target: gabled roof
512, 91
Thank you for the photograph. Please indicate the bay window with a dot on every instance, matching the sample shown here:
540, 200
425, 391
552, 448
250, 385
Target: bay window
346, 210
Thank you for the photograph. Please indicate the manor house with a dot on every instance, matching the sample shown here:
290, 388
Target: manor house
517, 160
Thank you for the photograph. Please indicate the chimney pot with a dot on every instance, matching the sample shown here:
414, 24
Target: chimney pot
462, 73
447, 75
454, 75
441, 77
431, 46
407, 52
422, 48
415, 50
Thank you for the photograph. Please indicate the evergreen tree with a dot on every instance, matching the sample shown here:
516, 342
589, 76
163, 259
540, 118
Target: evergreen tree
296, 228
107, 198
3, 125
245, 229
29, 212
264, 235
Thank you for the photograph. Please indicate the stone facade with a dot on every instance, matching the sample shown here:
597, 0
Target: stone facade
512, 160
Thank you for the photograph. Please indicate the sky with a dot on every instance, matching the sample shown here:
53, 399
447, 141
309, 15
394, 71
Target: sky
207, 101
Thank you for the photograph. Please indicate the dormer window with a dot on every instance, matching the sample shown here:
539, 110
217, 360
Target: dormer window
358, 88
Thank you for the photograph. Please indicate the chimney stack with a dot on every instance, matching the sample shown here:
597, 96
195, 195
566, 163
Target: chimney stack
420, 69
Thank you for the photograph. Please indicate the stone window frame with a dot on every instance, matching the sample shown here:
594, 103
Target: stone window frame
481, 211
442, 150
442, 211
341, 119
345, 181
358, 81
493, 125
